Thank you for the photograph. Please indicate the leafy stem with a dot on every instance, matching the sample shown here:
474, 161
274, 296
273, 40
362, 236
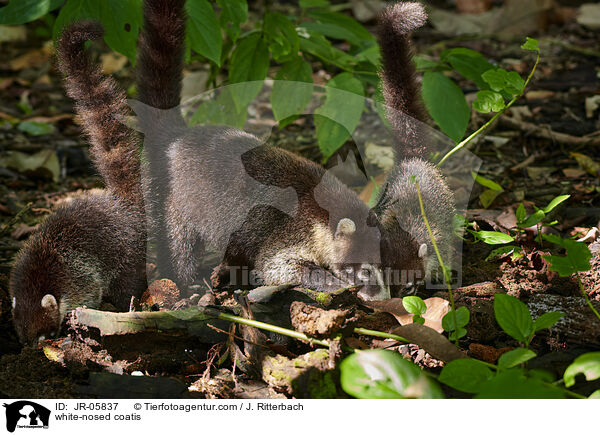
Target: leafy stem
586, 297
439, 257
487, 124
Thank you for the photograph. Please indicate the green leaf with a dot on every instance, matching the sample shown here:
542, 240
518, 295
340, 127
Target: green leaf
547, 320
513, 317
425, 64
233, 13
513, 384
249, 62
587, 364
595, 395
492, 237
556, 201
44, 163
521, 214
203, 31
577, 259
502, 251
531, 45
515, 357
25, 11
488, 101
121, 20
35, 128
281, 36
465, 375
317, 45
338, 26
469, 63
383, 374
486, 182
514, 83
289, 98
73, 11
305, 4
488, 196
446, 103
533, 220
462, 318
496, 78
338, 117
414, 305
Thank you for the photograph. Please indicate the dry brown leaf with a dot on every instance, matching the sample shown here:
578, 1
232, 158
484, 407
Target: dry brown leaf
112, 62
21, 230
436, 310
432, 342
33, 59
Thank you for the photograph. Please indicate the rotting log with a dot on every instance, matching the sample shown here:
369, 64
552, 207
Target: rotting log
201, 322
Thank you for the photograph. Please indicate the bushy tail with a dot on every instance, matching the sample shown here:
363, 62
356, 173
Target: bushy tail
159, 76
160, 53
101, 107
400, 87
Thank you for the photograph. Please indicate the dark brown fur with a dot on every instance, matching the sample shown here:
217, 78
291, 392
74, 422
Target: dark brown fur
86, 250
101, 107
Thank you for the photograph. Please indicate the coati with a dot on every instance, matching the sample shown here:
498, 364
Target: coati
203, 175
94, 246
399, 200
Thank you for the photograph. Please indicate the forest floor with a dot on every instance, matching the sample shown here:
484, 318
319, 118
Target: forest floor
528, 153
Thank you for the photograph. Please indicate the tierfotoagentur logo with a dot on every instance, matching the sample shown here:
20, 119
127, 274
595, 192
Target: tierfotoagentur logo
25, 414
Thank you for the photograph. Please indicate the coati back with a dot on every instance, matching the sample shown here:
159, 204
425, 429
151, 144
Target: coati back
94, 246
399, 201
222, 183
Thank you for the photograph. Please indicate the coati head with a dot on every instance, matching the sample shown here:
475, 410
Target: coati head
37, 283
379, 256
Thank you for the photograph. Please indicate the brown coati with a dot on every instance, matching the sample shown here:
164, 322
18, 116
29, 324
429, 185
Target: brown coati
399, 201
222, 186
94, 246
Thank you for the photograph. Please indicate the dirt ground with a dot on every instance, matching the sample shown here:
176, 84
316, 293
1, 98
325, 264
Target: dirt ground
530, 166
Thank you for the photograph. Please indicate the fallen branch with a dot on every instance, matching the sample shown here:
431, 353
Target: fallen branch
547, 133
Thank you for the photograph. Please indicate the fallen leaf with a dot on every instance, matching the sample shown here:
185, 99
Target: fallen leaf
33, 59
473, 6
539, 94
35, 128
436, 310
432, 342
573, 172
44, 163
589, 15
587, 163
112, 62
591, 104
13, 33
21, 230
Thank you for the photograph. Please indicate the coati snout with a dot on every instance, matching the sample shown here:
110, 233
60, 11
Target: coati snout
37, 322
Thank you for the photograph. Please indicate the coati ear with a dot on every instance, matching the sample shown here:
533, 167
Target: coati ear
422, 250
49, 303
345, 227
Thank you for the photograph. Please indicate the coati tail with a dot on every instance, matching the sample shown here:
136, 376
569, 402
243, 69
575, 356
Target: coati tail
159, 76
101, 107
160, 53
399, 85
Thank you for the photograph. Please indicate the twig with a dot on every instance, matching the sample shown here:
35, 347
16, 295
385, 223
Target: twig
548, 133
6, 228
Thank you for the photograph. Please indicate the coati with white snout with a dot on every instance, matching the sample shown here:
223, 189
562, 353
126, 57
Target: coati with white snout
332, 233
93, 247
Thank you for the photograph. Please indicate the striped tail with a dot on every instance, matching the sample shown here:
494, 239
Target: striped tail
101, 107
400, 88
